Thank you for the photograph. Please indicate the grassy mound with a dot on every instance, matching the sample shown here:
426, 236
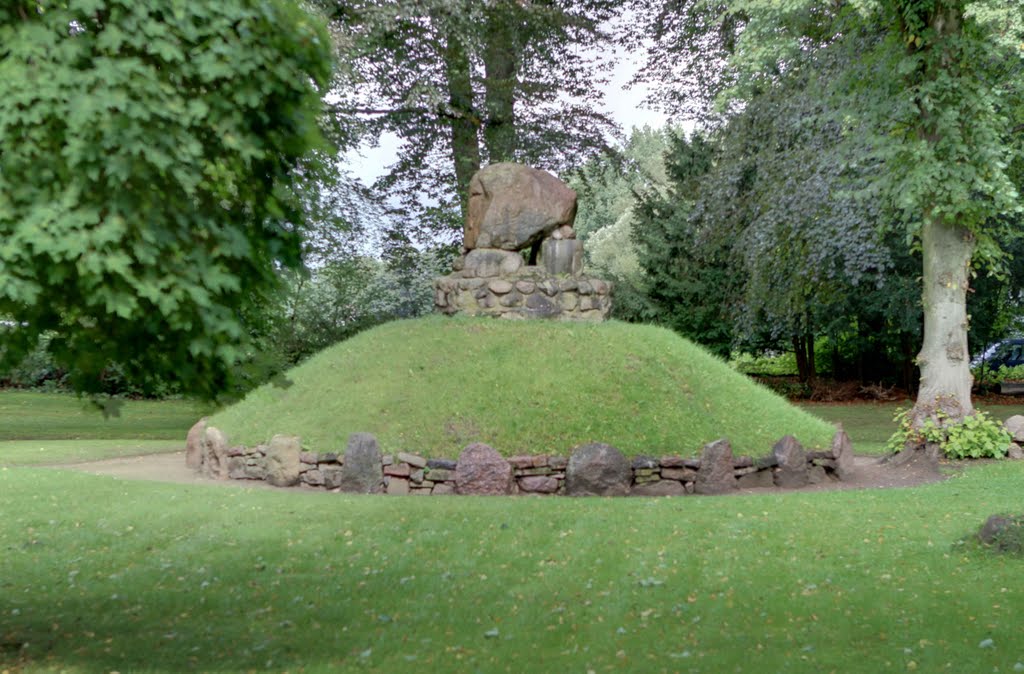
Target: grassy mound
434, 385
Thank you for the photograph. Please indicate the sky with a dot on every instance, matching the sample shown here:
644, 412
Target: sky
624, 106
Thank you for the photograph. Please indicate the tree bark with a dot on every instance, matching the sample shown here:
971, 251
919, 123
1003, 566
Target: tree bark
803, 347
501, 61
465, 139
944, 361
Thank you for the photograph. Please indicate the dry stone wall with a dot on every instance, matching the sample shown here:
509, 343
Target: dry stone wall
594, 469
527, 293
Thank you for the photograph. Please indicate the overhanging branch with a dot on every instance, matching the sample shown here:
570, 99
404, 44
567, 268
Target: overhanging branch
440, 112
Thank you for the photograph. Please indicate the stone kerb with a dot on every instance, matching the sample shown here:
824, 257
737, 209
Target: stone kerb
598, 470
595, 469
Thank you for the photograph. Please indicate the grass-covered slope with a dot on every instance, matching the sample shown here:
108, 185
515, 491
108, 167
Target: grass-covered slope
434, 385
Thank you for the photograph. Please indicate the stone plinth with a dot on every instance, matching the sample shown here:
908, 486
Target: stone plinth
528, 293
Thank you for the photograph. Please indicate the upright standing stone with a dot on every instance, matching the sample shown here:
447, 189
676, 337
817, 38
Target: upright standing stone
481, 470
597, 469
194, 445
215, 454
362, 471
283, 460
564, 256
792, 470
715, 475
842, 454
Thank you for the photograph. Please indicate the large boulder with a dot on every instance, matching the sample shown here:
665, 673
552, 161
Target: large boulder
1003, 532
597, 470
513, 206
482, 471
283, 461
194, 445
362, 471
1015, 427
215, 453
715, 475
792, 470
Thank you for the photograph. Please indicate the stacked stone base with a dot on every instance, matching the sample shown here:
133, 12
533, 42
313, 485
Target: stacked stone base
528, 293
590, 470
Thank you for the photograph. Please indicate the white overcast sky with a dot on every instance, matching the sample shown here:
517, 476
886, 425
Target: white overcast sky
624, 106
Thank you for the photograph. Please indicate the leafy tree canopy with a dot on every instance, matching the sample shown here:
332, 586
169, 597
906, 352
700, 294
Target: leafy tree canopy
464, 84
151, 159
923, 102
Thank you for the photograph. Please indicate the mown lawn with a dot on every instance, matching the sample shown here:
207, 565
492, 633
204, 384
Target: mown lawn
52, 428
870, 424
102, 575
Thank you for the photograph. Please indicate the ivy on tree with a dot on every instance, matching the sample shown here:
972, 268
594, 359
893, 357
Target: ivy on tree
150, 161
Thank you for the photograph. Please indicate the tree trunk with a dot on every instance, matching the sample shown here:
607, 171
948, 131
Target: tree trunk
464, 121
803, 347
501, 59
944, 361
812, 365
944, 394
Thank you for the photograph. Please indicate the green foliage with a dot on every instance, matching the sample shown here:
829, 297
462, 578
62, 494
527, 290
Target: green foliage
978, 436
466, 84
607, 188
150, 179
769, 364
36, 370
436, 384
687, 275
38, 428
1001, 374
822, 120
345, 297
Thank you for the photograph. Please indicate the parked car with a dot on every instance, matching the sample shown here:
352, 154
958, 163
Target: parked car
1009, 353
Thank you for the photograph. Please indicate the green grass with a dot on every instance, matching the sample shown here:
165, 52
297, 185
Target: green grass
434, 385
870, 425
104, 575
38, 416
52, 428
39, 452
100, 575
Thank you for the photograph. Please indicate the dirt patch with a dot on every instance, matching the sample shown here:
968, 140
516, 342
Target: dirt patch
868, 473
154, 467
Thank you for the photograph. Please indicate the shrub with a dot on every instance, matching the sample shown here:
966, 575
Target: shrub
999, 375
978, 436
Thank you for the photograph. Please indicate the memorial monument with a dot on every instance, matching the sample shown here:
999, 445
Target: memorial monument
514, 209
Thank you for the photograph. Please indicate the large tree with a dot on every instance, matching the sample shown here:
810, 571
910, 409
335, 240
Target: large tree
152, 160
933, 90
465, 83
